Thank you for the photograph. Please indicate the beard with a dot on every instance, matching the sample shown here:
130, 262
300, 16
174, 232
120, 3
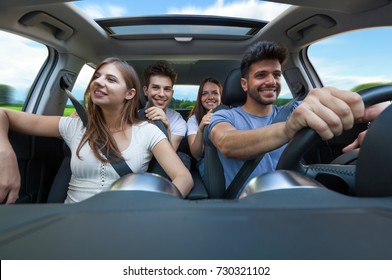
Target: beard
258, 97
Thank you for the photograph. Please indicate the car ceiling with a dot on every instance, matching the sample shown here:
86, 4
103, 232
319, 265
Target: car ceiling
338, 6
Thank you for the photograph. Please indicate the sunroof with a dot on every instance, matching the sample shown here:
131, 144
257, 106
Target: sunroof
192, 26
184, 29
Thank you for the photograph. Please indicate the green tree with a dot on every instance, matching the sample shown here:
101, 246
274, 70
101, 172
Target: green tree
5, 94
281, 101
366, 86
181, 104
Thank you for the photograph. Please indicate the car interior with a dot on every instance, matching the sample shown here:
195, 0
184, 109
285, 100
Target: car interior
319, 204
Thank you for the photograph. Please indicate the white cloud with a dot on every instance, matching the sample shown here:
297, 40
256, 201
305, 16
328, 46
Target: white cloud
103, 10
185, 92
246, 9
16, 52
348, 82
340, 73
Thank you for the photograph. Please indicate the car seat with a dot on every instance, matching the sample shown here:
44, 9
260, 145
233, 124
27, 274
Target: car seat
59, 188
232, 96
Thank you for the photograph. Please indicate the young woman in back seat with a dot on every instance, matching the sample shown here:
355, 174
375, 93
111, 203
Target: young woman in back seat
208, 98
113, 133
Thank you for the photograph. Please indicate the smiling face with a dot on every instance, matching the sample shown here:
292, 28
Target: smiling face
159, 92
210, 96
108, 87
263, 84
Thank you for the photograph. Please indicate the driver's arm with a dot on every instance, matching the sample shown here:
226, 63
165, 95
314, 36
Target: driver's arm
247, 144
327, 110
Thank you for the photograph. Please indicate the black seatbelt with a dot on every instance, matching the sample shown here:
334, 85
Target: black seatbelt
236, 186
121, 167
141, 115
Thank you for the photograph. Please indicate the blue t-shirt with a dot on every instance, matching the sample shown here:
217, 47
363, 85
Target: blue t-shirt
242, 120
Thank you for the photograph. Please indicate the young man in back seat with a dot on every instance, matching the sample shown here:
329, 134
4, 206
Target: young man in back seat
159, 81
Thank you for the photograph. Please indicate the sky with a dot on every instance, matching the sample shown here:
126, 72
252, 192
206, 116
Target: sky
343, 62
237, 8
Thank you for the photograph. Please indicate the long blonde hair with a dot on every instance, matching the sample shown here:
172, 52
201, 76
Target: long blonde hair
98, 134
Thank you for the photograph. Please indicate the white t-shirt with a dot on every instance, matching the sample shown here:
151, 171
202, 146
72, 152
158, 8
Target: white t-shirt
177, 122
193, 125
89, 175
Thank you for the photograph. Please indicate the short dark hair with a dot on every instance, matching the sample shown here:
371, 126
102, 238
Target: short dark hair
262, 50
160, 68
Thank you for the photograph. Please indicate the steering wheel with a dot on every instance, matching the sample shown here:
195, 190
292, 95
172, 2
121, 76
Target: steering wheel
307, 137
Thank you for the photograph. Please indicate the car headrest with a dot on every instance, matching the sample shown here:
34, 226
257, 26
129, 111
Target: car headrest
233, 95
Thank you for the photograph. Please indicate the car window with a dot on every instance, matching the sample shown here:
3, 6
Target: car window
24, 59
79, 87
354, 60
184, 97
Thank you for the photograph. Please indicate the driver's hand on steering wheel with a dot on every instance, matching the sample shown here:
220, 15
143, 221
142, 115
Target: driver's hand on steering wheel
370, 115
328, 111
356, 144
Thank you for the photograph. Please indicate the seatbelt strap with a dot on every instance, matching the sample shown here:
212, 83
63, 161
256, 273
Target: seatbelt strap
236, 186
141, 114
78, 107
121, 167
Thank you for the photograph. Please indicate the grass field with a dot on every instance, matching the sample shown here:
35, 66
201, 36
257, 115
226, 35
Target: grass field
13, 107
67, 111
